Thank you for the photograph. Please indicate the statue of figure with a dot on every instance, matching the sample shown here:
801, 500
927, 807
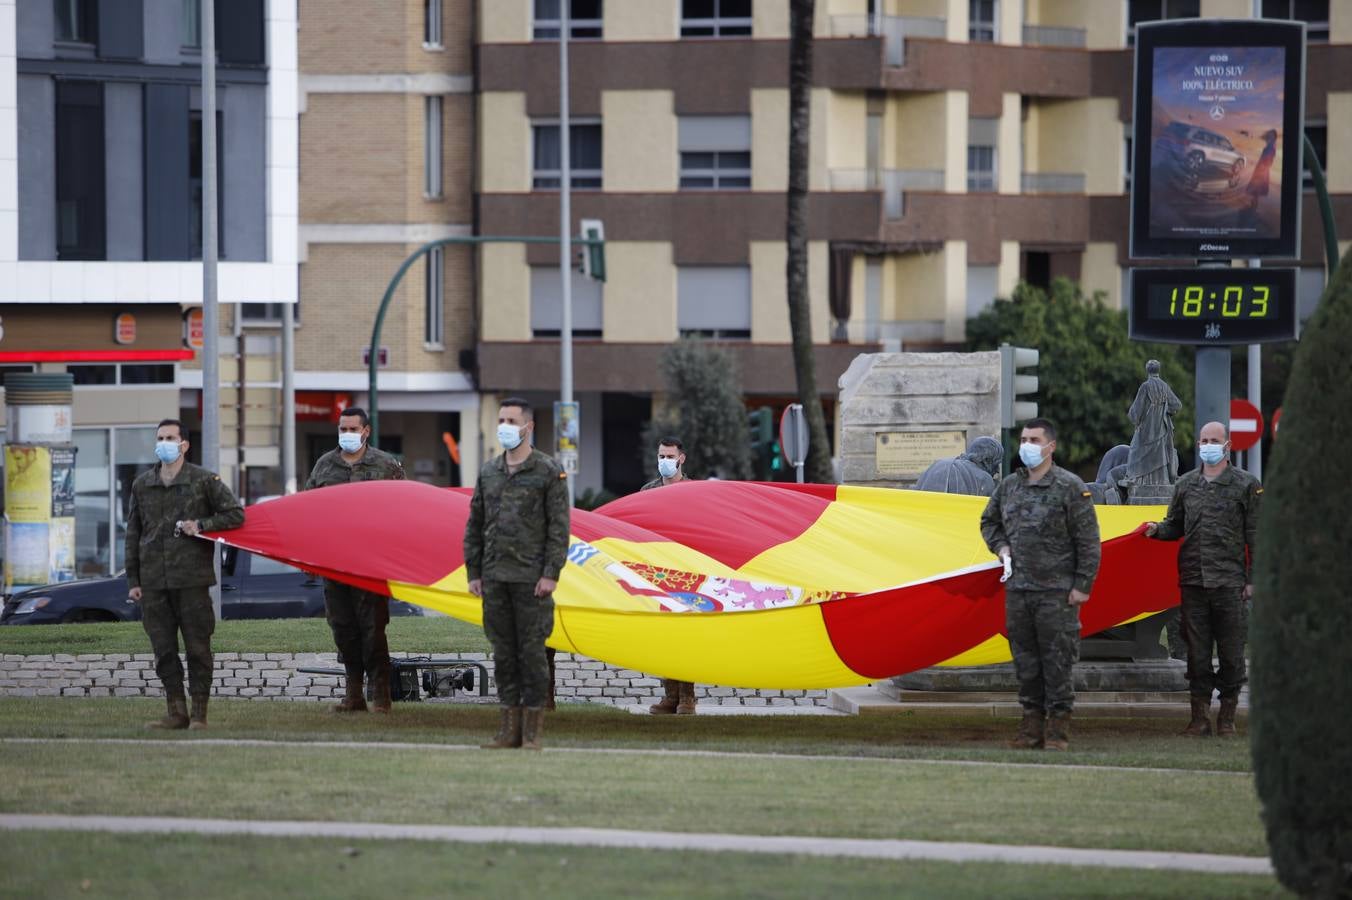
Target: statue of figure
973, 472
1107, 488
1153, 458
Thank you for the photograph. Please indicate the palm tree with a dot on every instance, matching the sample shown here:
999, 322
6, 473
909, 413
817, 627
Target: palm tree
801, 12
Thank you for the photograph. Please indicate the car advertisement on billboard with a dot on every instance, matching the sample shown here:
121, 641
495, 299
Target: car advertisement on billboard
1218, 139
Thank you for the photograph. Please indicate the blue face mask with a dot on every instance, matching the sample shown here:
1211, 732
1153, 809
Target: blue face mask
509, 436
1031, 454
667, 467
1211, 453
350, 441
166, 451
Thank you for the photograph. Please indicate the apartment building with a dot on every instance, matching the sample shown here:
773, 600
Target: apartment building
957, 147
100, 212
386, 123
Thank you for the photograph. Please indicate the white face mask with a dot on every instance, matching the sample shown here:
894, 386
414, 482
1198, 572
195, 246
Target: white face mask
350, 441
1031, 454
1211, 453
509, 436
666, 467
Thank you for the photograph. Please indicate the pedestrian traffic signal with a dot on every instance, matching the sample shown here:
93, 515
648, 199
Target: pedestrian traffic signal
1013, 385
761, 422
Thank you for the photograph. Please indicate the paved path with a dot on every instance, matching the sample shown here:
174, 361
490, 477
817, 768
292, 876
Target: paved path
656, 840
187, 742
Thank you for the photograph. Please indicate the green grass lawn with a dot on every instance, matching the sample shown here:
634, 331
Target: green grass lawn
60, 865
1115, 742
412, 634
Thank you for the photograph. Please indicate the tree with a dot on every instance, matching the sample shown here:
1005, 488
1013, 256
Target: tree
705, 412
1302, 619
1088, 372
818, 467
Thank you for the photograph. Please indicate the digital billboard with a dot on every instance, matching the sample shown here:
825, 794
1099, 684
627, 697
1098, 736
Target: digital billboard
1218, 139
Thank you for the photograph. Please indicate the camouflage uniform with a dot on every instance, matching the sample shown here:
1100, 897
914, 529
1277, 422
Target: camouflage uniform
517, 533
175, 573
357, 617
1217, 520
677, 696
1053, 537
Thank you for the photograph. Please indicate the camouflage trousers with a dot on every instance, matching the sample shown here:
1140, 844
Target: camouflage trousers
1044, 637
357, 619
1215, 617
164, 613
517, 623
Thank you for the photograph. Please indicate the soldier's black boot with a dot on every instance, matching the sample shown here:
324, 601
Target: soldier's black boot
509, 730
549, 654
198, 720
1225, 719
177, 715
380, 690
532, 726
685, 705
1058, 732
1032, 731
353, 697
667, 705
1199, 726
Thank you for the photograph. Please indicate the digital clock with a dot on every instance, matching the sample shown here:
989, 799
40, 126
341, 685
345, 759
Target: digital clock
1214, 307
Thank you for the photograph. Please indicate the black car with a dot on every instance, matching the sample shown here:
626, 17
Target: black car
252, 587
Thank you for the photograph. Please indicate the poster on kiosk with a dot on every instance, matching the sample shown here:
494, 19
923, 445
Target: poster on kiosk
1217, 139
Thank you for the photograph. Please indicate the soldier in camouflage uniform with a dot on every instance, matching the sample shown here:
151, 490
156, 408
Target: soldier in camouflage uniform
1215, 510
1041, 522
170, 573
357, 617
516, 543
678, 697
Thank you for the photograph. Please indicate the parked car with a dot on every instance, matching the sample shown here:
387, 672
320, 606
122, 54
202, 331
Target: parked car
252, 587
1196, 153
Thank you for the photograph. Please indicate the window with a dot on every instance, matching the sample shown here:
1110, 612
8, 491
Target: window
1314, 13
546, 304
981, 19
714, 302
434, 300
432, 147
80, 200
1318, 133
1127, 162
1155, 10
196, 185
192, 24
715, 152
981, 139
261, 313
584, 144
715, 18
584, 19
75, 21
432, 24
104, 374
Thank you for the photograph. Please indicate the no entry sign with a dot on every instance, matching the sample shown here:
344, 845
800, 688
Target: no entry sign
1246, 425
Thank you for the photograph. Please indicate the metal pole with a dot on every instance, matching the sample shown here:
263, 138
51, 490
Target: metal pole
1254, 457
288, 398
1212, 394
565, 221
211, 361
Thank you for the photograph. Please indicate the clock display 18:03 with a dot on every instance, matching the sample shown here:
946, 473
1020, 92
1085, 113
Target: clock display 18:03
1213, 306
1208, 302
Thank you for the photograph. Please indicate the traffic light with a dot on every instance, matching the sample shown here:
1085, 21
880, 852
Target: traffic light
593, 255
761, 422
1013, 385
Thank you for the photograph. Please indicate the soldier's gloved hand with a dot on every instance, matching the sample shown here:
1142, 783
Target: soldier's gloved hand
1151, 528
189, 527
1008, 564
545, 586
476, 587
1248, 592
1078, 598
134, 595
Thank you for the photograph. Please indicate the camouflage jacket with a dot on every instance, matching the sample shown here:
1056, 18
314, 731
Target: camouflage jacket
657, 483
1217, 519
374, 465
155, 558
518, 522
1050, 528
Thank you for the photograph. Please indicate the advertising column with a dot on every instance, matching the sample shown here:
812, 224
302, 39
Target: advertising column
39, 481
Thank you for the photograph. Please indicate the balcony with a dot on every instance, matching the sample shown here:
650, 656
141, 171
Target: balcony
1052, 183
892, 182
1053, 36
894, 30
